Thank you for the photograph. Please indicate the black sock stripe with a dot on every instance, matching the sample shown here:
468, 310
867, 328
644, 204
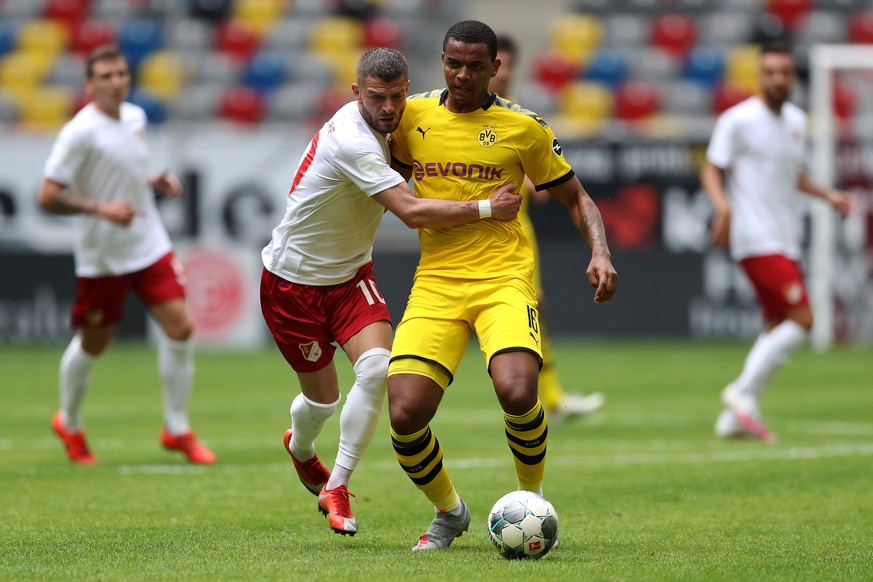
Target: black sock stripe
529, 425
529, 459
528, 444
429, 477
418, 467
412, 448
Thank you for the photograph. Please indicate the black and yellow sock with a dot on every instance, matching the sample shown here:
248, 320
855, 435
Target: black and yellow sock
421, 457
527, 436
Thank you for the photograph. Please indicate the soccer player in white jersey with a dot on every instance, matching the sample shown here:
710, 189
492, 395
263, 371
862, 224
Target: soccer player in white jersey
98, 169
752, 171
318, 288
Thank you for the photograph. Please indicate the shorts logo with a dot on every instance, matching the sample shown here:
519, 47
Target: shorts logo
793, 293
487, 137
94, 317
311, 351
556, 147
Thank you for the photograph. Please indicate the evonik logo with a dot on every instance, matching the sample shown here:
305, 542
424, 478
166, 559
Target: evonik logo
457, 169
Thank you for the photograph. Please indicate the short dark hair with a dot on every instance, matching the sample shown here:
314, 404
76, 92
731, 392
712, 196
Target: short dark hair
775, 46
103, 52
473, 32
506, 44
382, 63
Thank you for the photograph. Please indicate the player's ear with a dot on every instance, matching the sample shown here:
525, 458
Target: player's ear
356, 91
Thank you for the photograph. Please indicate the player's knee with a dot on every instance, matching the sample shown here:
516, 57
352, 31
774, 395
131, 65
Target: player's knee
371, 370
517, 398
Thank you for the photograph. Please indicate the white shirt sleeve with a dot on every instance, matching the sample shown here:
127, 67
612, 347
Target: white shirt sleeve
365, 164
722, 146
67, 155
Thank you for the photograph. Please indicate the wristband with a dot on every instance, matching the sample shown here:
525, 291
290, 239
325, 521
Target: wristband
484, 209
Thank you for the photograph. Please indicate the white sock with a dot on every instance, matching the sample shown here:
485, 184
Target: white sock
360, 414
307, 420
75, 378
176, 368
768, 354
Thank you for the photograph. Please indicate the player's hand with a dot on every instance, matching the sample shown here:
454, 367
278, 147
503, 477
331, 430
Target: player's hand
505, 203
166, 184
603, 277
121, 212
719, 230
842, 201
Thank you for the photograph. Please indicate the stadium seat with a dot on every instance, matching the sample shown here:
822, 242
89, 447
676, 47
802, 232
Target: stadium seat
685, 97
24, 70
236, 40
704, 65
19, 10
91, 33
8, 109
68, 71
554, 70
8, 39
845, 99
155, 110
266, 71
624, 29
607, 66
724, 29
821, 27
651, 64
769, 27
288, 35
139, 38
791, 12
586, 102
674, 33
576, 36
70, 13
861, 27
535, 97
336, 34
295, 102
241, 105
216, 69
163, 74
189, 35
213, 11
43, 36
328, 103
383, 32
343, 65
741, 68
46, 109
258, 15
636, 100
197, 103
725, 96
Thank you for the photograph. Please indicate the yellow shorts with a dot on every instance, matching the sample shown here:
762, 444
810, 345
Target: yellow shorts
442, 313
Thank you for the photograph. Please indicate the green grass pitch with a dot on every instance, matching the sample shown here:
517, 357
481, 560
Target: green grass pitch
643, 489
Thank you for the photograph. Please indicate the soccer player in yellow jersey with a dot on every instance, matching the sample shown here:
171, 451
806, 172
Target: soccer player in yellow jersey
559, 404
458, 143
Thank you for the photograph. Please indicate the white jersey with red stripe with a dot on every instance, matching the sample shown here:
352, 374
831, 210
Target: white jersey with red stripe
106, 160
330, 222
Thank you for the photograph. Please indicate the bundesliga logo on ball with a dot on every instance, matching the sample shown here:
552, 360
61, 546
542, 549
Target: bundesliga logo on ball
523, 524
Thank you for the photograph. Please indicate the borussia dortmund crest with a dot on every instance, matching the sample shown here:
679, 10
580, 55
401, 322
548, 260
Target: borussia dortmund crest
487, 137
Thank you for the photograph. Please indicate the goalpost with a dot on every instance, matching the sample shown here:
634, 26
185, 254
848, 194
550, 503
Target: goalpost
840, 254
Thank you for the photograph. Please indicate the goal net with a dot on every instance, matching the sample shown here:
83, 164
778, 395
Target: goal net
841, 251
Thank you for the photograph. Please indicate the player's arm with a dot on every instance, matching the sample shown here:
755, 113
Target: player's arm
55, 198
712, 180
434, 213
842, 201
587, 220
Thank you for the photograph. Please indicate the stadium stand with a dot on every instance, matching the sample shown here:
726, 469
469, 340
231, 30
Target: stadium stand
607, 63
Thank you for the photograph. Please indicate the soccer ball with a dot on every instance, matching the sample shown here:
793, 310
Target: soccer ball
523, 524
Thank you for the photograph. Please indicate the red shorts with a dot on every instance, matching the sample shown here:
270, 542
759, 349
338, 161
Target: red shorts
306, 319
100, 300
778, 282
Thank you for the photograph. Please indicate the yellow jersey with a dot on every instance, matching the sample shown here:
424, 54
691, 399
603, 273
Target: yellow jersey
468, 156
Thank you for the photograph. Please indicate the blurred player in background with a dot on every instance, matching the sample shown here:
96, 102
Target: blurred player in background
98, 169
476, 277
559, 404
752, 171
318, 288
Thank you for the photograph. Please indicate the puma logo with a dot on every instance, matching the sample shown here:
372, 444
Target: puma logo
422, 131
